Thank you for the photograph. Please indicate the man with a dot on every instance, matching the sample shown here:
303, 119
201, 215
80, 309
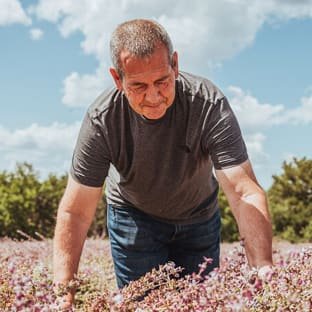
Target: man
156, 138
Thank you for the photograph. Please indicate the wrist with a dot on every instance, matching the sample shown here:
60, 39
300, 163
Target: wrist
265, 272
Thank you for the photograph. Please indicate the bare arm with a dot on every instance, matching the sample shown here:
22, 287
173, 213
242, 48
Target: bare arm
74, 217
249, 206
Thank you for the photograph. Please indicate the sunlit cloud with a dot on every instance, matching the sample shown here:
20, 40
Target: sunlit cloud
48, 148
205, 36
11, 12
36, 34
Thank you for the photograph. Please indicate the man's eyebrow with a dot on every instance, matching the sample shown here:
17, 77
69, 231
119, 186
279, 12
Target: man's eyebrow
138, 83
163, 78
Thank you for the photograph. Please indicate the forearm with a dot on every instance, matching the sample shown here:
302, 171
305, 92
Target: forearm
70, 234
255, 228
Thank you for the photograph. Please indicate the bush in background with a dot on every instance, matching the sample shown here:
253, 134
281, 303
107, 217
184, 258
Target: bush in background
29, 204
229, 229
290, 200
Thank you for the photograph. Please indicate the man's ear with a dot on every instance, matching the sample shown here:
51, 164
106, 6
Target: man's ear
116, 78
175, 64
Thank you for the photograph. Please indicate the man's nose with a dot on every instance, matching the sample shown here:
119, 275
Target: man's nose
153, 95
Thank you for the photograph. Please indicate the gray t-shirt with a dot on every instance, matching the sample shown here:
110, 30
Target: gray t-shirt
162, 167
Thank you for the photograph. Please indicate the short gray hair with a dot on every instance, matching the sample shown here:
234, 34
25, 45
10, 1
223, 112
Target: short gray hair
140, 37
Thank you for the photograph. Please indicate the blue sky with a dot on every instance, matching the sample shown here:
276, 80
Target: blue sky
55, 59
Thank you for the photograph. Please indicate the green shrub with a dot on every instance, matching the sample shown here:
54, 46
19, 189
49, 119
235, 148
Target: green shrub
290, 199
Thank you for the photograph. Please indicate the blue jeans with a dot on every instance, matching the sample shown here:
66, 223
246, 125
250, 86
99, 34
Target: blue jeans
140, 243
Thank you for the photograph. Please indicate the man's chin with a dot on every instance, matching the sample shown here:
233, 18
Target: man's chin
154, 116
155, 113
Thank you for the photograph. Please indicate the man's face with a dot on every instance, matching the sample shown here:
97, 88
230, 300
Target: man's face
148, 83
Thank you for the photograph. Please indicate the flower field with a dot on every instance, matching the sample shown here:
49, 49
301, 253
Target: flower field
26, 282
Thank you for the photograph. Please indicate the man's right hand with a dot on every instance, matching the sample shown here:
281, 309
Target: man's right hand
64, 296
66, 302
74, 217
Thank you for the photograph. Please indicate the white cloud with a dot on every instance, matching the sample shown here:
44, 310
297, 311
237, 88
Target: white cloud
11, 12
205, 35
81, 90
301, 114
287, 9
210, 32
254, 115
255, 146
256, 118
36, 34
48, 148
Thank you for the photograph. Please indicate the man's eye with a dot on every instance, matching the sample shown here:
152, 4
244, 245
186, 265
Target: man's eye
139, 88
162, 84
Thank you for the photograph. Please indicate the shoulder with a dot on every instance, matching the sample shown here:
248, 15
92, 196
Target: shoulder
104, 103
198, 87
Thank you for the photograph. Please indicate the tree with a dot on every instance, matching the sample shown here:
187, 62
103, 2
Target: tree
99, 224
30, 205
48, 197
229, 229
26, 204
18, 193
290, 199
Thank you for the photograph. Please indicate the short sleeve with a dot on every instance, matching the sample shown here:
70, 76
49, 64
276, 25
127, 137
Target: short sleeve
223, 138
90, 161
